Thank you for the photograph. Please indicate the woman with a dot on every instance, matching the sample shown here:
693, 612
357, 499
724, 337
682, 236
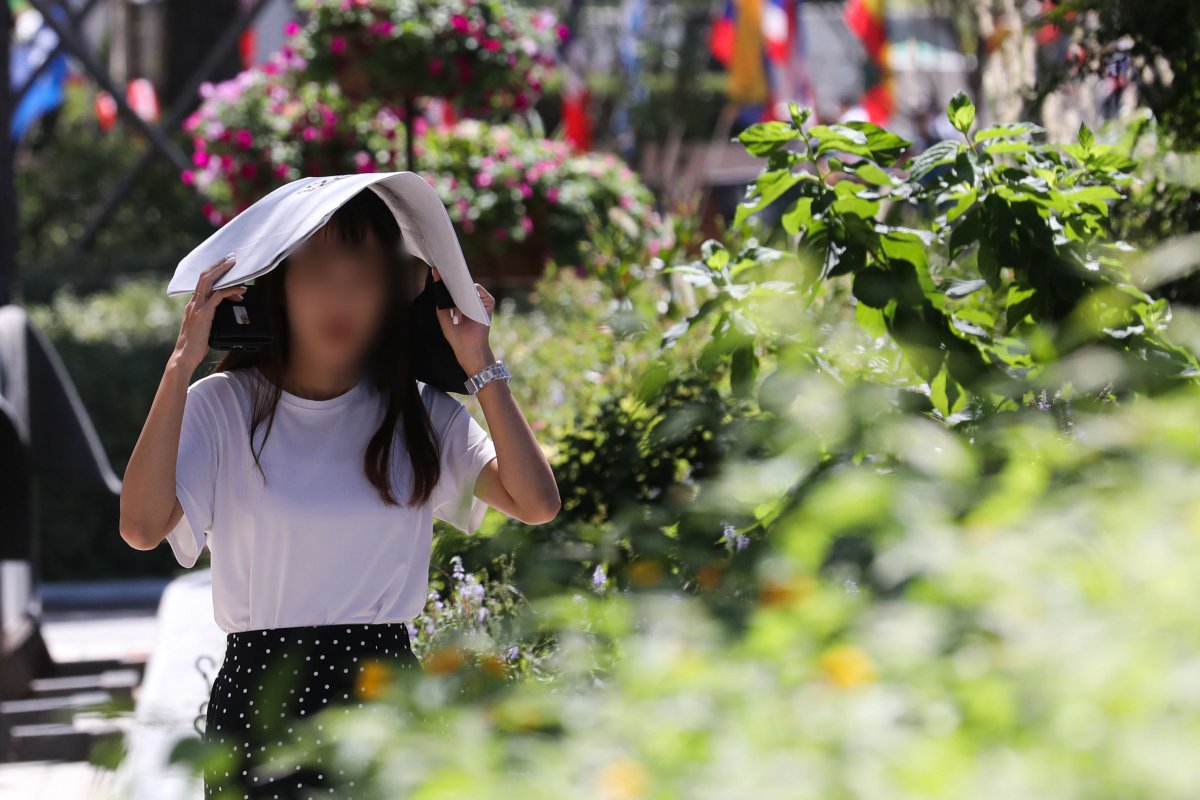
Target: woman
312, 470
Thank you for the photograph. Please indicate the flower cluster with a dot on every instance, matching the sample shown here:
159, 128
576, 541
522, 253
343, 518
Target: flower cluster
502, 186
487, 56
467, 610
261, 129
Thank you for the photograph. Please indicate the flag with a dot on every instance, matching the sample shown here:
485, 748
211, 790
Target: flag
761, 43
867, 20
46, 93
720, 38
787, 57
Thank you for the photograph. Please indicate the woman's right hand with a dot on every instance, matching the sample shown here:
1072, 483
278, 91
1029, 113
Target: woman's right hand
192, 345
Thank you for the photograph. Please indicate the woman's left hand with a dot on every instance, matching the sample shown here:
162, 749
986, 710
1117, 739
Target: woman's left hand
468, 338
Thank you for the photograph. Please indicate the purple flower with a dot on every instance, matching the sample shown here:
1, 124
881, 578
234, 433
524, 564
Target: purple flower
733, 539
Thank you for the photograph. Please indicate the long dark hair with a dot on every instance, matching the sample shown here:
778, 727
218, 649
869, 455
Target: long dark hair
389, 360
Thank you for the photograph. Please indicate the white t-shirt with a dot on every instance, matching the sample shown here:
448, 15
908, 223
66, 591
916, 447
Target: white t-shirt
315, 544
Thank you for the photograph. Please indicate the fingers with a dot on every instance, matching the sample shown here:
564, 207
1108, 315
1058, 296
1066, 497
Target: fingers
437, 276
485, 297
216, 297
209, 276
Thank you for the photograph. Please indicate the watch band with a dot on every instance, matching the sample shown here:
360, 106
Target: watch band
496, 371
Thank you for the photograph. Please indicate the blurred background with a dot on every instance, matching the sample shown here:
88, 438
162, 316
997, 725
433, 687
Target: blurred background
812, 303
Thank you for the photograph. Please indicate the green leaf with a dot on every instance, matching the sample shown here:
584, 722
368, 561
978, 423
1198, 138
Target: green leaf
799, 217
947, 395
766, 190
869, 172
765, 138
799, 115
962, 112
849, 202
1008, 131
959, 289
937, 155
743, 370
872, 320
1087, 140
875, 287
861, 139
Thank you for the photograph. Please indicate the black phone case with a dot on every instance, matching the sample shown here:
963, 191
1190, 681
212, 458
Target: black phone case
434, 361
240, 324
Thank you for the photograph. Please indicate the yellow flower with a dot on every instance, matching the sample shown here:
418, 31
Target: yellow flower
443, 660
371, 679
847, 666
493, 666
789, 592
623, 779
645, 573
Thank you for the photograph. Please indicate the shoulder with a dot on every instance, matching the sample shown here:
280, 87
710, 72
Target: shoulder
223, 392
441, 405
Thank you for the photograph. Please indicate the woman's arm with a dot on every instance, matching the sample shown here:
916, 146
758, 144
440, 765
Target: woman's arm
149, 506
519, 481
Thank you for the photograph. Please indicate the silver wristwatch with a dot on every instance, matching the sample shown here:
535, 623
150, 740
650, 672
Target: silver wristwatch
495, 371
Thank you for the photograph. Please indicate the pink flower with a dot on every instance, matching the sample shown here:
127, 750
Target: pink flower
435, 66
526, 191
459, 22
382, 27
188, 177
310, 133
362, 161
291, 28
337, 45
244, 138
552, 194
483, 180
491, 45
200, 158
527, 225
563, 32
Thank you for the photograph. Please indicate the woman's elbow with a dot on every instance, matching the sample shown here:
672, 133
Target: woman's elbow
544, 512
139, 536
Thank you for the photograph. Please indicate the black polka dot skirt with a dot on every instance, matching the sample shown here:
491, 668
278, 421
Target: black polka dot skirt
273, 687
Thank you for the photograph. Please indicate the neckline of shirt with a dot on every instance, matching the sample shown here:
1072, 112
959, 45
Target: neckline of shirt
331, 402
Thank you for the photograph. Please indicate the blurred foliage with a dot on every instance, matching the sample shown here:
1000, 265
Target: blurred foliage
59, 187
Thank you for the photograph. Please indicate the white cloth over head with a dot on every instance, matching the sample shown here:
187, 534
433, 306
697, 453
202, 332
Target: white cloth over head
264, 233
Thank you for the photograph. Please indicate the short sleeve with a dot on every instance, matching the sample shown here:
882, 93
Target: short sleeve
195, 478
465, 449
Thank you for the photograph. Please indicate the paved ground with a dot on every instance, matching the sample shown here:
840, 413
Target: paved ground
167, 701
75, 637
